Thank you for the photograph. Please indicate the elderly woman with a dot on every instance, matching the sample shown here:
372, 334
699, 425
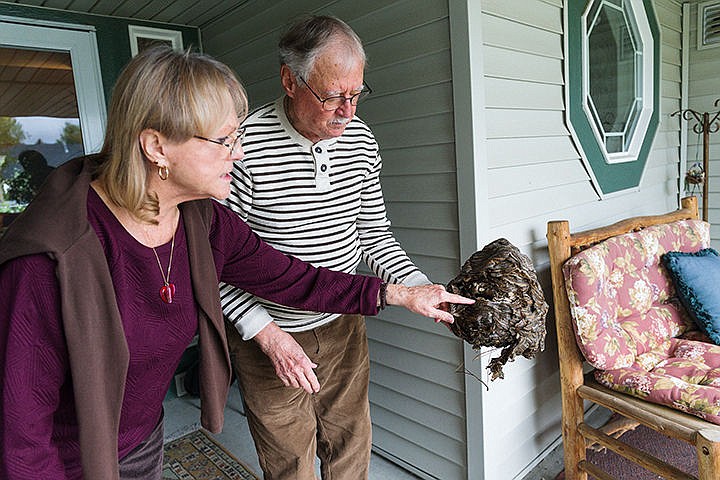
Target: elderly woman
114, 267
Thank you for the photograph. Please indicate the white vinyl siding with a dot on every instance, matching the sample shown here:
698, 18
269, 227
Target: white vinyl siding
531, 166
704, 72
535, 174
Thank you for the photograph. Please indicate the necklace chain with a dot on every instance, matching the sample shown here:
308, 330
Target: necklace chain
166, 278
167, 291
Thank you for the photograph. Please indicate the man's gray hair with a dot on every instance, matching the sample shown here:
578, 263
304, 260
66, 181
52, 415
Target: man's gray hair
306, 39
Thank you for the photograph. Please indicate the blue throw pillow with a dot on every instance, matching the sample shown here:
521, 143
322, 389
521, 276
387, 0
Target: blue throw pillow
697, 281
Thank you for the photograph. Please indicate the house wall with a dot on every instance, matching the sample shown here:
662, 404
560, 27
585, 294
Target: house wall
417, 396
703, 92
535, 174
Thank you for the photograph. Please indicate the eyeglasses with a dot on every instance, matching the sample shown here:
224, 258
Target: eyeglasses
225, 141
335, 102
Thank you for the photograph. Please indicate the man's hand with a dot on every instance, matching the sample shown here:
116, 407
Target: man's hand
291, 363
428, 300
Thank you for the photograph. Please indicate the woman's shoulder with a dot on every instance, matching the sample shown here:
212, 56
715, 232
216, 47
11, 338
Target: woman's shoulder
224, 217
223, 226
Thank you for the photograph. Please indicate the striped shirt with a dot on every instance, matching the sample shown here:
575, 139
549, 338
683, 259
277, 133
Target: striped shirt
319, 202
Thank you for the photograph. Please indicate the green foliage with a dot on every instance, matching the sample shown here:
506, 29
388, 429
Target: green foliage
11, 133
71, 134
20, 189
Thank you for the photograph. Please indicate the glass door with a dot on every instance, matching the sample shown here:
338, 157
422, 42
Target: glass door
51, 110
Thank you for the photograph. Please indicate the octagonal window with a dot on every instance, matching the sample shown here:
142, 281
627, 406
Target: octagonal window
613, 87
615, 65
618, 80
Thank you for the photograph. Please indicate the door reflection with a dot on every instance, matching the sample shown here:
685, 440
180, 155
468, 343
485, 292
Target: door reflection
39, 122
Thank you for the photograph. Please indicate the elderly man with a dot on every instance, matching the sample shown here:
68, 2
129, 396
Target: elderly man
309, 184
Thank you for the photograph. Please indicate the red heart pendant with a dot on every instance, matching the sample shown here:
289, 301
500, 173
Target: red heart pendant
167, 292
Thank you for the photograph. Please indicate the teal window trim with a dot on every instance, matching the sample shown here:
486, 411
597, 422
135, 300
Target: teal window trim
608, 178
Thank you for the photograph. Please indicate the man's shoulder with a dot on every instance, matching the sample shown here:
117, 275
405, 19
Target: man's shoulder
357, 122
262, 115
357, 130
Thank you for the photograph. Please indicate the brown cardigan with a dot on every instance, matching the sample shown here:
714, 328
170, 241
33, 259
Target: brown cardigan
56, 223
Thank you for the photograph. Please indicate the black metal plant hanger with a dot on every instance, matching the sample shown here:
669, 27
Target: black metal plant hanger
705, 124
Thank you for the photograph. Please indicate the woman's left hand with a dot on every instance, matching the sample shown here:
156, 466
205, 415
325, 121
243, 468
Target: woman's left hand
428, 300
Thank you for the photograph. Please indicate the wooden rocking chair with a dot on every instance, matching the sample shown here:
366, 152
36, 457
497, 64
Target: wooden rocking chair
578, 388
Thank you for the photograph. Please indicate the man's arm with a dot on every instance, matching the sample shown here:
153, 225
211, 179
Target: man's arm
243, 310
252, 320
380, 250
291, 363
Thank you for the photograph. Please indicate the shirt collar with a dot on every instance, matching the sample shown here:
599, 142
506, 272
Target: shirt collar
295, 136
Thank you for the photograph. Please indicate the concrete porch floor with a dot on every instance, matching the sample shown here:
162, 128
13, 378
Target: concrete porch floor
182, 415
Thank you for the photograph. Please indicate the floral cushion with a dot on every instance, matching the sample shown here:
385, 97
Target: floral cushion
630, 326
688, 379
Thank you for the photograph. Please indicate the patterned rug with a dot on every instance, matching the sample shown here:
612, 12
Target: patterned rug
197, 456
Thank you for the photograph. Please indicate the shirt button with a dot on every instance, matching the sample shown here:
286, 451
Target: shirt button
318, 150
323, 168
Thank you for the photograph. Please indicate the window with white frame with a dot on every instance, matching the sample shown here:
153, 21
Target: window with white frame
613, 81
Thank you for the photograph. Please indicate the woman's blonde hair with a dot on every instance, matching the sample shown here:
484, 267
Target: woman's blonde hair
179, 94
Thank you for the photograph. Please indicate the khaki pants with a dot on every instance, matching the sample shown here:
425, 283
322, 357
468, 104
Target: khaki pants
289, 426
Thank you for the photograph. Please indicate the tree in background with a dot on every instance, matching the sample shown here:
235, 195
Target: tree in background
71, 134
11, 133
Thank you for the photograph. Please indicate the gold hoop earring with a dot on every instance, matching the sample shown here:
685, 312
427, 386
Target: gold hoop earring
163, 173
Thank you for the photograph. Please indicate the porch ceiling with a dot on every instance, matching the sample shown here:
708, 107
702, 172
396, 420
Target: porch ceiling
34, 81
180, 12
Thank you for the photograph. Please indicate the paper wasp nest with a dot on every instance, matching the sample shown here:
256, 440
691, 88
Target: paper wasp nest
509, 310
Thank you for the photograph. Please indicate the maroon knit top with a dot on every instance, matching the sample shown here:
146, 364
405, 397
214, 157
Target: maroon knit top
37, 407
